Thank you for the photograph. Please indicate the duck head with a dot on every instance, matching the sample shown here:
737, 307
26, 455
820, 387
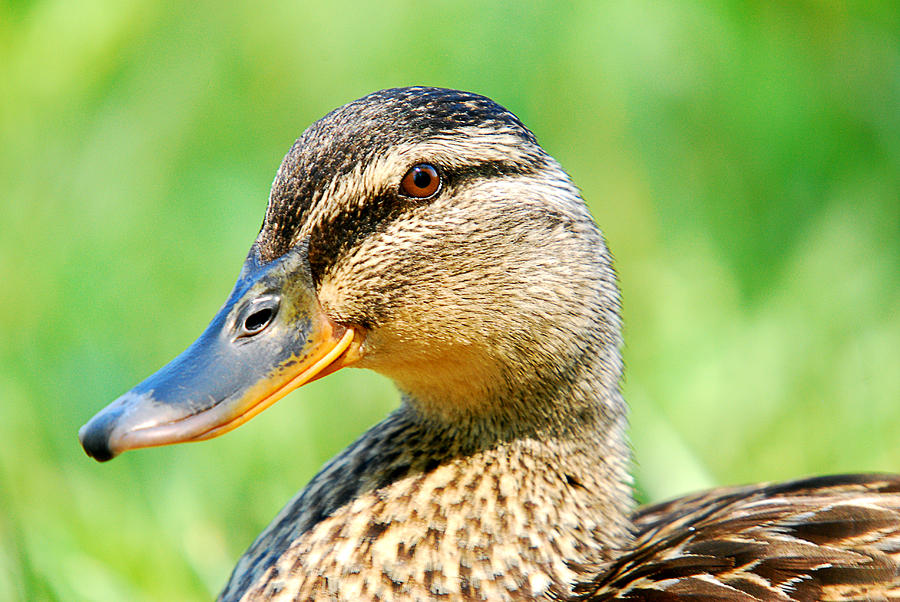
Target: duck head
419, 232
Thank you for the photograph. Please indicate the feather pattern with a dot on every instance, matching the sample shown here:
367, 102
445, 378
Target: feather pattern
494, 308
503, 475
826, 538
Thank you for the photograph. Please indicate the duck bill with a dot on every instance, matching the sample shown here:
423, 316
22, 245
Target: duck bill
269, 338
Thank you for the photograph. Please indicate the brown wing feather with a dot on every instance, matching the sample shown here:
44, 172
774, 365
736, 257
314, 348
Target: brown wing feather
828, 538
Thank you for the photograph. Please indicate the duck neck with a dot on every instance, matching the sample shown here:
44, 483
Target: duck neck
562, 413
559, 441
492, 504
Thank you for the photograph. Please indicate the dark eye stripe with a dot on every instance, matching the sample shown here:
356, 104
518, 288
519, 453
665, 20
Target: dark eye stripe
495, 169
331, 239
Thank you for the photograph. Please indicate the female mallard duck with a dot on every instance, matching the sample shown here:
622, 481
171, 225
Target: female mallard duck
424, 234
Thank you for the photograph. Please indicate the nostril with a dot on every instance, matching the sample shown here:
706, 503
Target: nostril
258, 320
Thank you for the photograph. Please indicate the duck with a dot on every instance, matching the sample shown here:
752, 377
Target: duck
423, 233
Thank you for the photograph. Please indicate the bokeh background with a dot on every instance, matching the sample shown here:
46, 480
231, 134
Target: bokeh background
742, 158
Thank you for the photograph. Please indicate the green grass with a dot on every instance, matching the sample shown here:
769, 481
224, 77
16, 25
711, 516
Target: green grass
743, 160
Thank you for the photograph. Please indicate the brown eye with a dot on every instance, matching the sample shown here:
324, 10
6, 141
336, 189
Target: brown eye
421, 181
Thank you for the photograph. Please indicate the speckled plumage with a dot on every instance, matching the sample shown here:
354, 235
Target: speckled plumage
504, 472
826, 538
507, 457
490, 522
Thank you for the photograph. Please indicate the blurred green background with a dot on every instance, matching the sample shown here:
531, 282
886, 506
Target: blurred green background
742, 158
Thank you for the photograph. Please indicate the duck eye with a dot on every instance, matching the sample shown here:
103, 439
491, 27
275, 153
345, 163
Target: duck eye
421, 181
